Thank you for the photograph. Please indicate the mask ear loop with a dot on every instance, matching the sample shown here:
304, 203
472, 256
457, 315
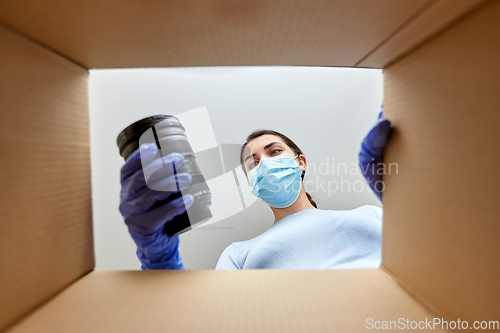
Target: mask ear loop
302, 171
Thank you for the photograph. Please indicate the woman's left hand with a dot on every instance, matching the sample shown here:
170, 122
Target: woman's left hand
371, 154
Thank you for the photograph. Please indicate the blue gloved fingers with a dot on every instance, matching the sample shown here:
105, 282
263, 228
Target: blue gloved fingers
162, 167
371, 153
175, 207
155, 219
155, 244
143, 200
155, 248
146, 151
172, 183
136, 182
374, 143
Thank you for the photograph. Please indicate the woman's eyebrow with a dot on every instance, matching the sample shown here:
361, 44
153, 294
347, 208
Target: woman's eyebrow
269, 145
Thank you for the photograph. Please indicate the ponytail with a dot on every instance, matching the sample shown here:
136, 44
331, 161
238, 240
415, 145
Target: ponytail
311, 200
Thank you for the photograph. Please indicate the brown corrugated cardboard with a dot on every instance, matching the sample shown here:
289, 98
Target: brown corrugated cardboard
433, 17
207, 33
441, 233
127, 33
45, 207
441, 213
226, 301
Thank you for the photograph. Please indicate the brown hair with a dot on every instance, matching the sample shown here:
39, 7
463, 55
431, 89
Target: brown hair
288, 142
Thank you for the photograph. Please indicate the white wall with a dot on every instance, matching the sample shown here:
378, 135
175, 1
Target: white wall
325, 111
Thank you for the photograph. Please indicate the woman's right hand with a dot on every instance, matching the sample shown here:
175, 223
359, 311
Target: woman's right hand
371, 154
155, 249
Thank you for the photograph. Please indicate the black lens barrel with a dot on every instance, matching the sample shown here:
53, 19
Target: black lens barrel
170, 136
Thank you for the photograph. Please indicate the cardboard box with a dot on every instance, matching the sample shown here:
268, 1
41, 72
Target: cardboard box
441, 229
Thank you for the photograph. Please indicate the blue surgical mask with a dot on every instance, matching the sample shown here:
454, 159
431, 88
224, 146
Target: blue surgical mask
276, 180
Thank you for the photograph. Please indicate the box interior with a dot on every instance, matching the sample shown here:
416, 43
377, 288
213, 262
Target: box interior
441, 212
46, 239
439, 238
226, 301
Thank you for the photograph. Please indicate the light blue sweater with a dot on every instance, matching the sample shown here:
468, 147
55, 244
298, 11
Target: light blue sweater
312, 239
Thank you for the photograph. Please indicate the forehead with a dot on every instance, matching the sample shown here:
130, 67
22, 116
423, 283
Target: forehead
257, 144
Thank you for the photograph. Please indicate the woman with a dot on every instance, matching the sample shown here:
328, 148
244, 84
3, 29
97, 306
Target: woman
302, 236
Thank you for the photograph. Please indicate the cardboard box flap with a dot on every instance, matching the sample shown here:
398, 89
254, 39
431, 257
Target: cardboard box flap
226, 301
45, 207
127, 33
432, 18
124, 34
441, 212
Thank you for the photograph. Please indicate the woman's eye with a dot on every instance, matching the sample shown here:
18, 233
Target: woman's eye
253, 164
272, 152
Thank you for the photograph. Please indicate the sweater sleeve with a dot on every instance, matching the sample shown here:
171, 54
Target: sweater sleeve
228, 259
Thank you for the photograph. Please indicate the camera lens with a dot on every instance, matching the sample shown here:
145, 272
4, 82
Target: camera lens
169, 135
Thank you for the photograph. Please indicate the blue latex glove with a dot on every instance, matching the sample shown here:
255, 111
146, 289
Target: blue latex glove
155, 249
372, 149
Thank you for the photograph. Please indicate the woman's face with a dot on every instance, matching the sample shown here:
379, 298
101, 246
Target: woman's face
266, 145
